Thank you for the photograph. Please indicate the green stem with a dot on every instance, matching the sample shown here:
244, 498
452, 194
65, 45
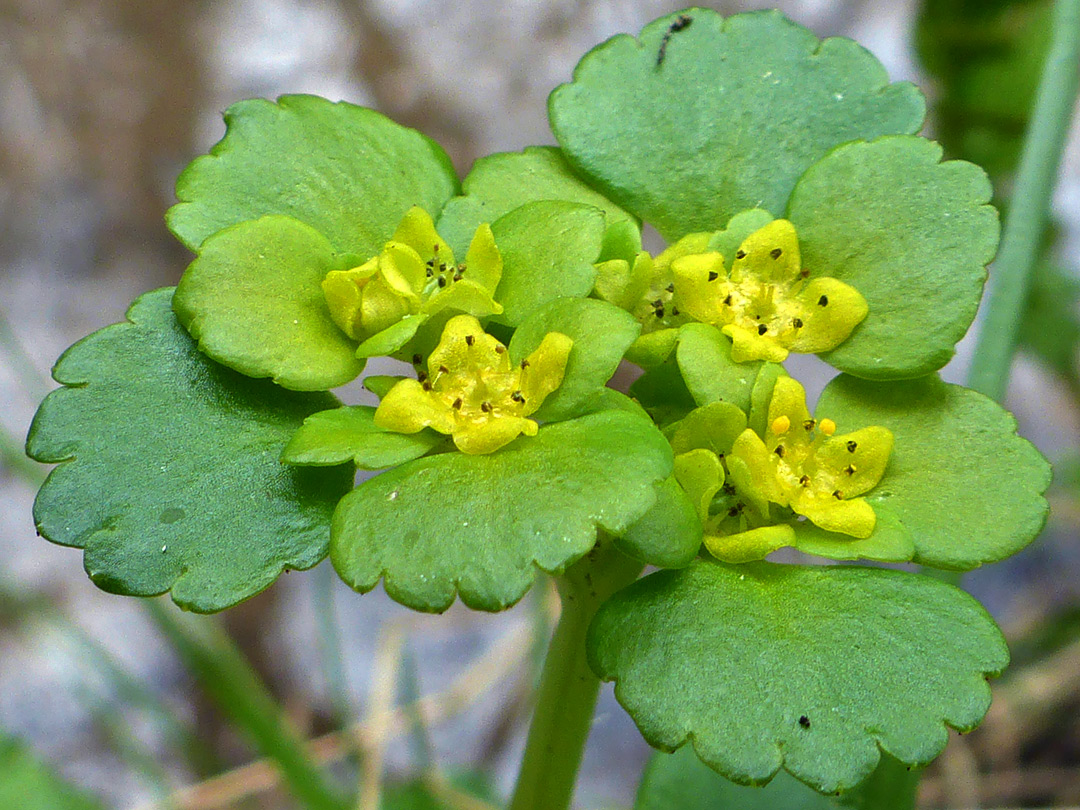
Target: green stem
568, 688
1039, 163
230, 681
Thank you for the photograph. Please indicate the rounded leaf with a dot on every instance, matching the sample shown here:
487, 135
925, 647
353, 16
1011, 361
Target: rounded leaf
704, 358
912, 234
349, 172
702, 117
480, 526
253, 299
348, 434
168, 471
499, 183
813, 669
960, 489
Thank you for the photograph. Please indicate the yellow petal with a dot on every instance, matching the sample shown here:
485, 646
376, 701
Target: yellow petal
403, 269
748, 345
770, 253
854, 517
788, 402
487, 436
751, 469
418, 232
543, 370
830, 310
408, 408
701, 284
343, 292
751, 545
462, 339
483, 262
691, 243
857, 460
381, 307
465, 296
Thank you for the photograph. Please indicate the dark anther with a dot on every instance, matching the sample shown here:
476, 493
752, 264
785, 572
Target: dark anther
517, 397
461, 267
779, 450
485, 407
457, 404
851, 447
713, 276
435, 249
416, 359
524, 364
444, 370
658, 303
500, 349
810, 424
430, 273
457, 276
804, 273
727, 301
430, 262
736, 509
797, 323
674, 311
670, 288
421, 376
442, 281
838, 495
775, 253
823, 301
660, 312
805, 480
427, 385
762, 329
804, 721
850, 469
442, 268
469, 340
740, 254
729, 489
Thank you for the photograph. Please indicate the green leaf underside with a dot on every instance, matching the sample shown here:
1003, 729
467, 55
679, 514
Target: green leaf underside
601, 334
499, 183
348, 172
548, 249
730, 658
735, 112
481, 525
27, 783
254, 301
704, 358
669, 534
170, 478
965, 487
349, 434
680, 780
912, 234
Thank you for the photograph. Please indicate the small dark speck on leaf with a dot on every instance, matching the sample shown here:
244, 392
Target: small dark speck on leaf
804, 721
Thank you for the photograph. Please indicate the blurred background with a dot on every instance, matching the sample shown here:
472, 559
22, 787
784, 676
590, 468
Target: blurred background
102, 103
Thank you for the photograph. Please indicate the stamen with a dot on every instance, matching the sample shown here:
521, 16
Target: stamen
740, 254
727, 301
457, 404
426, 385
827, 426
781, 424
444, 370
469, 340
670, 288
805, 480
713, 276
736, 509
852, 447
809, 424
416, 359
850, 469
797, 323
442, 281
524, 364
485, 407
517, 397
838, 495
779, 450
674, 311
500, 350
421, 376
762, 329
728, 489
775, 253
823, 301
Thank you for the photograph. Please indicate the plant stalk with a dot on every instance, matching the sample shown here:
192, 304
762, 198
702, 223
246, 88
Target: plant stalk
566, 698
1039, 161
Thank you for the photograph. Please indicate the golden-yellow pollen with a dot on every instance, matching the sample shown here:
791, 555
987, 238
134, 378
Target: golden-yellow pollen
827, 426
782, 424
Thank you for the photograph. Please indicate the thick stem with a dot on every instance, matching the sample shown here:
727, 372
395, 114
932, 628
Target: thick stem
1039, 162
568, 688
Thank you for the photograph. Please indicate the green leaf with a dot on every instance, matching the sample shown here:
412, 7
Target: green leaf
601, 334
910, 233
348, 172
27, 783
682, 781
686, 127
704, 357
349, 434
499, 183
669, 534
169, 475
663, 393
732, 658
965, 487
254, 301
482, 525
548, 249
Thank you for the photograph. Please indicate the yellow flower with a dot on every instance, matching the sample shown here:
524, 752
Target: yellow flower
803, 465
768, 304
414, 276
472, 392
